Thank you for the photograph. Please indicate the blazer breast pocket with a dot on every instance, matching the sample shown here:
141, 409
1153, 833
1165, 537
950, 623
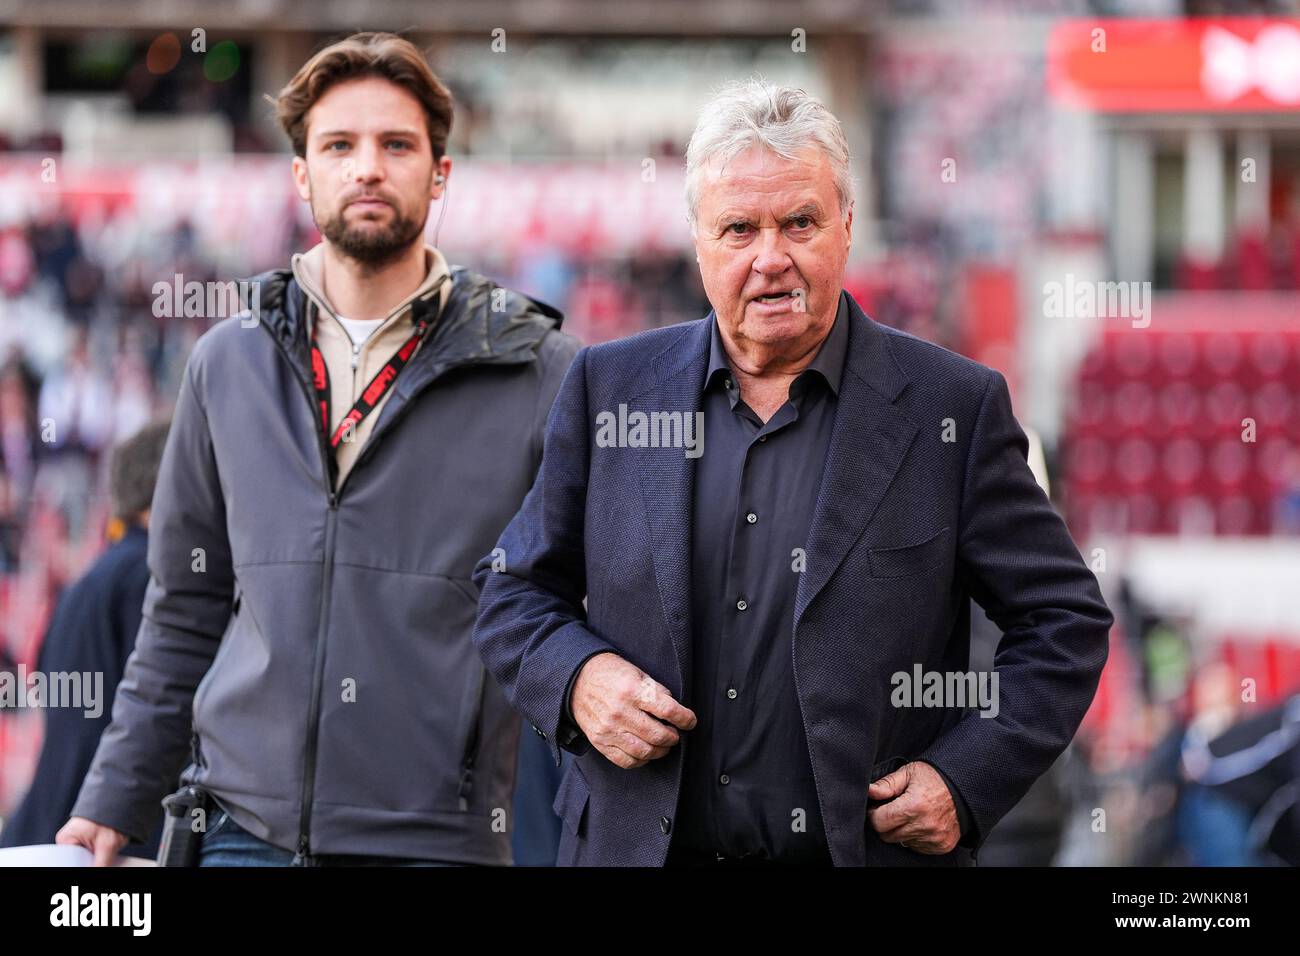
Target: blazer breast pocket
904, 560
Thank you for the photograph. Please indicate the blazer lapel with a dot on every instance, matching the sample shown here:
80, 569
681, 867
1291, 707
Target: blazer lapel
667, 480
868, 441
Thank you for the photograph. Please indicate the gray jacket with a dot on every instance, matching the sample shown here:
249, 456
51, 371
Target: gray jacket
311, 650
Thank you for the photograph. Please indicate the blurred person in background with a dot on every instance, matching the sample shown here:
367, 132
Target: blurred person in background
1213, 829
20, 447
336, 467
93, 630
76, 402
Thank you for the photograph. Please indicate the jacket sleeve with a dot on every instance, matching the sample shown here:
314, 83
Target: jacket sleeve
186, 608
532, 630
1021, 565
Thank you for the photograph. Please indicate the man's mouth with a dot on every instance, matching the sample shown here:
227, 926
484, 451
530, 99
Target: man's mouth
774, 296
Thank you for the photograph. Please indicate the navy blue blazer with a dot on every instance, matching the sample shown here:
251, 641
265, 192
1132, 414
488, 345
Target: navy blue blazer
926, 501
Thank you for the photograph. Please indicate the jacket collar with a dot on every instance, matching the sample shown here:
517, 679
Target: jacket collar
468, 331
480, 324
308, 269
868, 356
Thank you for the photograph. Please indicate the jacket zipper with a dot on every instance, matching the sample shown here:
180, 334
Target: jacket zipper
472, 742
318, 680
328, 466
303, 855
376, 434
318, 658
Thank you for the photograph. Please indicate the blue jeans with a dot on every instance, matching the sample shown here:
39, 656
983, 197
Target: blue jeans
226, 843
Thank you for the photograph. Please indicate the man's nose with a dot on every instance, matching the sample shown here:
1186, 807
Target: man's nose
772, 257
367, 163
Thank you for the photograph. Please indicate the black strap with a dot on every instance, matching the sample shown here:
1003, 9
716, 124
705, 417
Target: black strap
378, 387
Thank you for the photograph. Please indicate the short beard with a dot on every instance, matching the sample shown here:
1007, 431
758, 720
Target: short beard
372, 247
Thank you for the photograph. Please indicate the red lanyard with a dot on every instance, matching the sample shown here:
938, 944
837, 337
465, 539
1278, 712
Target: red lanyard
374, 392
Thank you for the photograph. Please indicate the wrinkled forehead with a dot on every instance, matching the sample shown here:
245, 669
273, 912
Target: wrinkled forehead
759, 181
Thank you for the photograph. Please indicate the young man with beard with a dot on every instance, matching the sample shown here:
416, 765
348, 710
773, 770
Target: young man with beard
333, 474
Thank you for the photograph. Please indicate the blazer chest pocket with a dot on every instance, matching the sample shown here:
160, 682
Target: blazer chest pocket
899, 562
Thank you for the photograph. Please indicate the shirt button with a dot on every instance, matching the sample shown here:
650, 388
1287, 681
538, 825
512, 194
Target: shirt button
665, 825
724, 780
751, 517
762, 438
731, 693
742, 604
729, 384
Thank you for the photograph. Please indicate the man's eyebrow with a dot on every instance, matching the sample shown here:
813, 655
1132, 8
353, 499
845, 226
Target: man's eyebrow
809, 209
729, 216
405, 131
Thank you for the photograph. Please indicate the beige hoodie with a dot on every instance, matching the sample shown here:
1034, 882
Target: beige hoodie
351, 367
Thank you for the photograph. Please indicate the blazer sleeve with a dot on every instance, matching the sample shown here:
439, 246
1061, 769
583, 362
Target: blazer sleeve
1020, 564
532, 629
186, 608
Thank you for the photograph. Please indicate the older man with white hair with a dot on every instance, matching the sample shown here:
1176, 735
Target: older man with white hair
777, 516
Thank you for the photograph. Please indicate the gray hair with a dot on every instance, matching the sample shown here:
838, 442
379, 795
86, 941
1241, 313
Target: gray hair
753, 112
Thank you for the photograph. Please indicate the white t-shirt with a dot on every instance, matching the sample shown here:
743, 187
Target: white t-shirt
360, 329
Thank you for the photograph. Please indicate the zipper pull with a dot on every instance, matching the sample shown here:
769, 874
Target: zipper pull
466, 785
300, 858
356, 350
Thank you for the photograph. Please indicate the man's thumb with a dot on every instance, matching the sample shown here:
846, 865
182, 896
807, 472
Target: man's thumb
105, 847
888, 786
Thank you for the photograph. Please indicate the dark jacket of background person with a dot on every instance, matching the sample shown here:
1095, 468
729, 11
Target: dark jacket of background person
1255, 765
319, 640
907, 528
536, 835
93, 629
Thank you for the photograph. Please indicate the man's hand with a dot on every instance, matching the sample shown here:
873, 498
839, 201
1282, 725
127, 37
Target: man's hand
919, 814
100, 840
616, 705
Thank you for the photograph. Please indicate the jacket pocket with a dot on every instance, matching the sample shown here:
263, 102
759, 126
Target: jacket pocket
899, 562
206, 681
473, 741
882, 769
886, 767
880, 853
571, 799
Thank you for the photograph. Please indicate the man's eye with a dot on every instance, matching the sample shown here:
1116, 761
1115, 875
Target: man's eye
801, 222
738, 228
400, 143
337, 142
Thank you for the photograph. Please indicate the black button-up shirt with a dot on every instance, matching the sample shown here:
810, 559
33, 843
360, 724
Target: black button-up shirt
747, 785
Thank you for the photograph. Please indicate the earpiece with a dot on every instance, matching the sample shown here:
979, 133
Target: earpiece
440, 179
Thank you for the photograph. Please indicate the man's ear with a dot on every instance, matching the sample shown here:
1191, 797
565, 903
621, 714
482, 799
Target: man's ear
301, 181
443, 167
848, 226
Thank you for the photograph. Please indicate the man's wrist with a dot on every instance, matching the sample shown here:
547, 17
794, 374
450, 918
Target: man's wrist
567, 709
965, 821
